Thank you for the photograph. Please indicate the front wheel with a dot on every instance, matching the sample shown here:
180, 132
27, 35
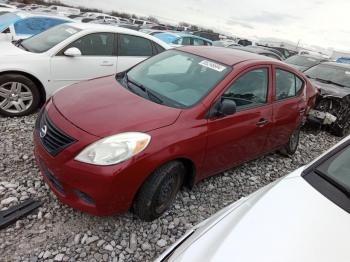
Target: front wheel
291, 147
159, 191
19, 95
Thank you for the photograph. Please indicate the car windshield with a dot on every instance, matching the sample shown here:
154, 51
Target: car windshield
180, 79
303, 61
46, 40
333, 74
337, 169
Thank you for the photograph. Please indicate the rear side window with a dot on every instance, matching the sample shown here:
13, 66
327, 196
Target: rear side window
134, 46
250, 90
158, 48
35, 25
99, 44
288, 85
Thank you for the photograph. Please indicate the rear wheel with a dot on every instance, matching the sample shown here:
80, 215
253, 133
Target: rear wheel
19, 95
291, 147
159, 191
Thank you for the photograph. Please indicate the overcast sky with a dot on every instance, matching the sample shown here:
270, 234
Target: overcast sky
313, 22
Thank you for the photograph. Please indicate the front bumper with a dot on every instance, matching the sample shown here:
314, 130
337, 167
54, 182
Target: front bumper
98, 190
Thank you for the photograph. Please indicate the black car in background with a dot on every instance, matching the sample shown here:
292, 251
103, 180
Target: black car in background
259, 50
332, 108
304, 62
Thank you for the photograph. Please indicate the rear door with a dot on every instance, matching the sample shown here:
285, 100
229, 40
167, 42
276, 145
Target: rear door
289, 105
98, 59
132, 50
241, 136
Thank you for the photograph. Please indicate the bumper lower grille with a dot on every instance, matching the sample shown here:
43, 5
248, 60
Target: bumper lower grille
54, 181
53, 139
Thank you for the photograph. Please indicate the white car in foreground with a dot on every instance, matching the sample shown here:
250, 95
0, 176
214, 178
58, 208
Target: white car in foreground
303, 217
33, 69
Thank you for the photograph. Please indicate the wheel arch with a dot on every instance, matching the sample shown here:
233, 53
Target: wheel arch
34, 79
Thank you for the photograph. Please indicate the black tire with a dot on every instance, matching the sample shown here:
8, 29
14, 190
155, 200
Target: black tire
292, 146
27, 84
159, 191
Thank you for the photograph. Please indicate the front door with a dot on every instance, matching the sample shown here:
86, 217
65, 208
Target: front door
241, 136
97, 60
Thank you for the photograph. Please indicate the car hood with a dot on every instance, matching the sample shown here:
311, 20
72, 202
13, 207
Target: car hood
289, 221
332, 90
103, 107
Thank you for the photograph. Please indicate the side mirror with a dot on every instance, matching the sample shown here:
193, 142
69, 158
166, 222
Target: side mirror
227, 107
72, 52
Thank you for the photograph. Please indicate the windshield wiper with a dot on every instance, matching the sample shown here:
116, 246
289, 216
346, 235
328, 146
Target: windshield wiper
329, 82
334, 182
151, 95
18, 43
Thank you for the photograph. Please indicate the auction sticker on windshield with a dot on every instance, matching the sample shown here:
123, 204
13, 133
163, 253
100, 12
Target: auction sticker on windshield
212, 65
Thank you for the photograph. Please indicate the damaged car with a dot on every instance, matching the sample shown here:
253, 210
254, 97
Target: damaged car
332, 108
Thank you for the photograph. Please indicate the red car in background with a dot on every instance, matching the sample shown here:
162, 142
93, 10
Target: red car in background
133, 140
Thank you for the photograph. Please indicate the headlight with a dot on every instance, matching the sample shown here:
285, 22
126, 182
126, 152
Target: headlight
114, 149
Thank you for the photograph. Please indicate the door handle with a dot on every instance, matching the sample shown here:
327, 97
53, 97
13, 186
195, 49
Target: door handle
262, 122
107, 63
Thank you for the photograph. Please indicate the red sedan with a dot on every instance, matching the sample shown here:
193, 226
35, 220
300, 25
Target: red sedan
133, 140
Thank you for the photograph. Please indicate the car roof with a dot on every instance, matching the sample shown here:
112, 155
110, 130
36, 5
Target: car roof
227, 56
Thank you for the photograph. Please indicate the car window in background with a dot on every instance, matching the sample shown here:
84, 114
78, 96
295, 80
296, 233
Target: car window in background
36, 25
197, 41
250, 90
338, 168
179, 77
335, 74
46, 40
158, 48
8, 19
302, 61
287, 84
134, 46
98, 44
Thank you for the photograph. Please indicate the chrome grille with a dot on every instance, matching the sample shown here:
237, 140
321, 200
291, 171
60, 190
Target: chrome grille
52, 138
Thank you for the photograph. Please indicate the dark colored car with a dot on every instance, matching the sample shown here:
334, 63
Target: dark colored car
304, 62
258, 50
135, 139
208, 35
332, 108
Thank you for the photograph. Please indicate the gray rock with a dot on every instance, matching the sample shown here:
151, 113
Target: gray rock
59, 257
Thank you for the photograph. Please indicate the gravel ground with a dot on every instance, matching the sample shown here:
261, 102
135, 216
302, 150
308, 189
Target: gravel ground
58, 233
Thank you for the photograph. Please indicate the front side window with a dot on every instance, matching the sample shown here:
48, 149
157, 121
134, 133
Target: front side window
288, 85
249, 90
180, 79
46, 40
130, 45
338, 168
36, 25
99, 44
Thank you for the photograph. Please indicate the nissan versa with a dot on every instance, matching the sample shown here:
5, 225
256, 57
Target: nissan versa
133, 140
